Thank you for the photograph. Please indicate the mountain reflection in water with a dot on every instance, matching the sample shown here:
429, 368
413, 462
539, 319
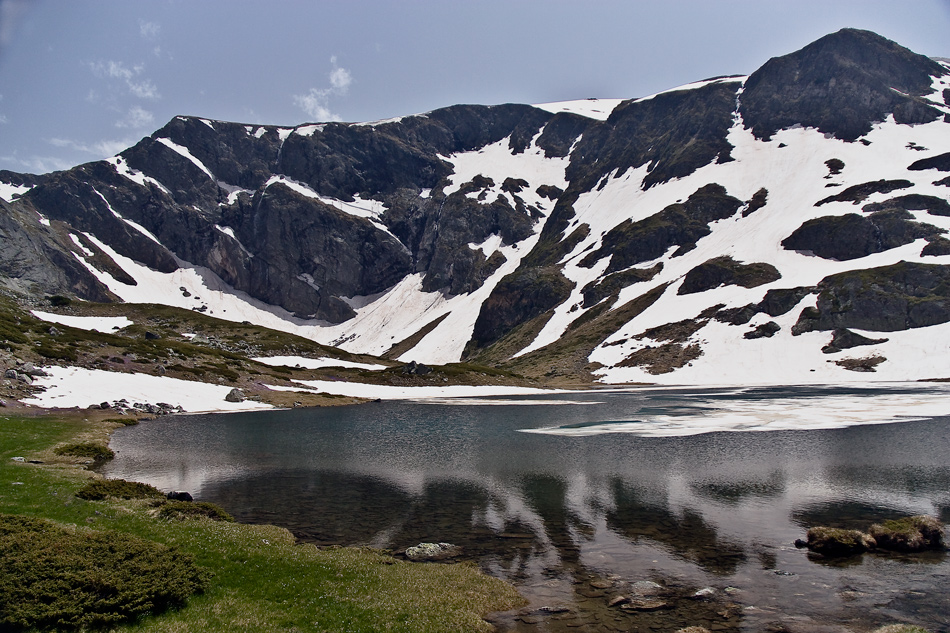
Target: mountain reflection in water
573, 519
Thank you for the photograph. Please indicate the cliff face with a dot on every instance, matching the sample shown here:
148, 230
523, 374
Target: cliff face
560, 236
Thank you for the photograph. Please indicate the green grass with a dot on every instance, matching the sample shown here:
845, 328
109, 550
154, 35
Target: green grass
261, 580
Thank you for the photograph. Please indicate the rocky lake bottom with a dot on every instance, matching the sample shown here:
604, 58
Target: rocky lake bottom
610, 510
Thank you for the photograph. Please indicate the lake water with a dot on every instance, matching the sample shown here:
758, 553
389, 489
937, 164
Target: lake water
575, 497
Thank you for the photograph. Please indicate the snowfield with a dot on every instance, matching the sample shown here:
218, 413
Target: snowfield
68, 387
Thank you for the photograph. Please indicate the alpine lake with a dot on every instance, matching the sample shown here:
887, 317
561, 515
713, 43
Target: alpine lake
687, 500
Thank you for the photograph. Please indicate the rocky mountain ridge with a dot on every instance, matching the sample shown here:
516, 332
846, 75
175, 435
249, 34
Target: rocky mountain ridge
727, 231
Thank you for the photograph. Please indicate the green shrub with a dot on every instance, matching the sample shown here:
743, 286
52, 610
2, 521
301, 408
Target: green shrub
86, 449
59, 300
192, 510
56, 353
51, 576
99, 489
129, 421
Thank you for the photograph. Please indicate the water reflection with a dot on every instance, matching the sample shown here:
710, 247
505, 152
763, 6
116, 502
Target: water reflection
575, 520
686, 534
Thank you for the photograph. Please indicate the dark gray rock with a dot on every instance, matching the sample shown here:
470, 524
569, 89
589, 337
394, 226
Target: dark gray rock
235, 395
851, 236
941, 162
519, 297
179, 495
843, 339
887, 299
911, 202
725, 271
841, 84
680, 224
766, 330
432, 551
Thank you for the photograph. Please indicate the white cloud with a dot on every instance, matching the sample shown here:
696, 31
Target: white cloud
99, 149
316, 103
39, 164
136, 118
11, 11
149, 30
340, 78
142, 88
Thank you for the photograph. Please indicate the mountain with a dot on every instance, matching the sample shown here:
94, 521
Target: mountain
786, 227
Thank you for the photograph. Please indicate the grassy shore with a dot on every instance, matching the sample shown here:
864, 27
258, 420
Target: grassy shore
261, 580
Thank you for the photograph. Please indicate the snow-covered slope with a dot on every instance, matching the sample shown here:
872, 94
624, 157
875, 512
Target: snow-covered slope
787, 227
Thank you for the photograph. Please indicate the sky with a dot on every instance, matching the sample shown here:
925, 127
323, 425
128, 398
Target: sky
81, 80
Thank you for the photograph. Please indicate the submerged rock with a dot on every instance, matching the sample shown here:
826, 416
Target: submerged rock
644, 604
838, 542
911, 534
706, 593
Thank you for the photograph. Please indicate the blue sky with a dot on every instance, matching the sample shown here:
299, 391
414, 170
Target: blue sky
81, 80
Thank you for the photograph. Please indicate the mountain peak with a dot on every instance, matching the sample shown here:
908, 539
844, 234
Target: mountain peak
841, 84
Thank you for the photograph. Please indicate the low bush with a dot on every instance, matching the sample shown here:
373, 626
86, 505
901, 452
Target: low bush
909, 534
53, 577
838, 542
192, 510
129, 421
86, 449
99, 489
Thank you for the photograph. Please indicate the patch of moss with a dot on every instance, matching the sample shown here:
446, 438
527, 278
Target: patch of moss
99, 489
182, 510
909, 534
831, 541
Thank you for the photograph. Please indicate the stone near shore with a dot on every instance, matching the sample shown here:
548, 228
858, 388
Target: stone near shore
432, 551
235, 395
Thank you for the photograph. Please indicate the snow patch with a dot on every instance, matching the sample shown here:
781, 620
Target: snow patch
123, 169
315, 363
598, 109
77, 387
186, 153
8, 192
89, 323
308, 130
80, 246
